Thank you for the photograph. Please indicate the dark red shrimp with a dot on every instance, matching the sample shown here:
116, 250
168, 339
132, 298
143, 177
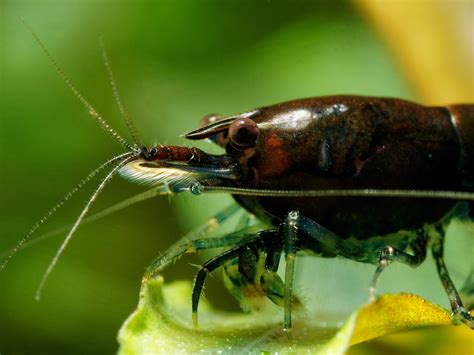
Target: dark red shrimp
374, 180
311, 169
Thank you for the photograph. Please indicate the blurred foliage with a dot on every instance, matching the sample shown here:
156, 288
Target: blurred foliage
434, 53
174, 62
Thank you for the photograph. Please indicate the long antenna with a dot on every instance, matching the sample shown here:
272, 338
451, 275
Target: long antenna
58, 205
448, 195
132, 129
92, 111
78, 222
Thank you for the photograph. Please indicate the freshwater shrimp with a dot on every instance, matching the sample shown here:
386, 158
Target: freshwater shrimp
375, 180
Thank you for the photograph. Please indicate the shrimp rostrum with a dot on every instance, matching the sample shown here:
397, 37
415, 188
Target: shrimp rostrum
374, 180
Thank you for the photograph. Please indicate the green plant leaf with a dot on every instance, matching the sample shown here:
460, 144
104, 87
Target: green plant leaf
162, 323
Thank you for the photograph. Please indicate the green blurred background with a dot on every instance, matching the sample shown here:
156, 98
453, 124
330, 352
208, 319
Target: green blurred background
174, 62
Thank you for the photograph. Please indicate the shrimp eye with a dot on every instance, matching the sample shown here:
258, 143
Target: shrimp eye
243, 132
153, 152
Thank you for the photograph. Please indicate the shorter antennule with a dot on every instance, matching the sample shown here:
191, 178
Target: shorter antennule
92, 111
132, 129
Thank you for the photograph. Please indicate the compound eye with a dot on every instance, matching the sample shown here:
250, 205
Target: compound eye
153, 152
243, 132
208, 119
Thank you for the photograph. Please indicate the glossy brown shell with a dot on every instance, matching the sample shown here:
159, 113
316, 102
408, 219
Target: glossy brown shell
351, 142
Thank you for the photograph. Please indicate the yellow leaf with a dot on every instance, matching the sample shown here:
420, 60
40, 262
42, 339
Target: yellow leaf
393, 313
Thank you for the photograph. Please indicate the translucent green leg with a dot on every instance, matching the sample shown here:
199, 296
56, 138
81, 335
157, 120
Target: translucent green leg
192, 246
194, 241
304, 234
301, 233
206, 268
459, 312
254, 273
467, 291
248, 268
290, 235
389, 254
